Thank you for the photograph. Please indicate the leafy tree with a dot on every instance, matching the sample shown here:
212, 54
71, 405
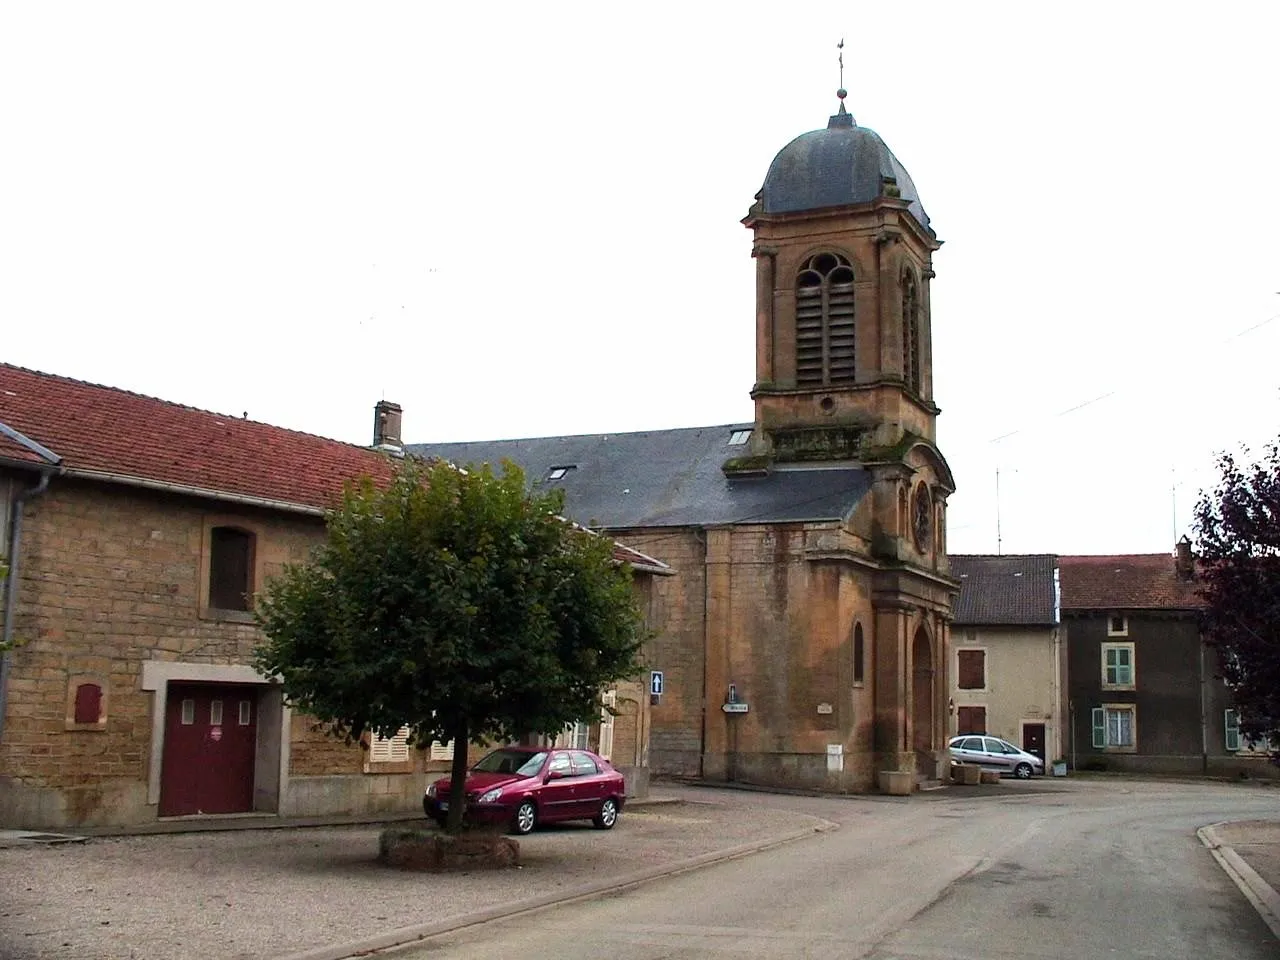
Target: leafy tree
1238, 540
456, 603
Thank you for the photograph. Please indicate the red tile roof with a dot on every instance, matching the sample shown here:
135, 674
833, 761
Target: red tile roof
105, 433
109, 434
1135, 581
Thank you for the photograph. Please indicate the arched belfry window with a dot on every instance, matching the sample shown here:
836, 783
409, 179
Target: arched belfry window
910, 330
824, 321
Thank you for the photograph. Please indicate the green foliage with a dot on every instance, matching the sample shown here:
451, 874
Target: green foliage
455, 603
1238, 543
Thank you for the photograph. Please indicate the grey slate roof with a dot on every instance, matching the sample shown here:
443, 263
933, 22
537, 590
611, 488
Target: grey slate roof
1007, 590
843, 164
667, 478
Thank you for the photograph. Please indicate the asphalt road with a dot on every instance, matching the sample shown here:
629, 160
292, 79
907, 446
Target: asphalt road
1052, 870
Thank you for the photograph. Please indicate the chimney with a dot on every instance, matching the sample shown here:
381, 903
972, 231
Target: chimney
386, 424
1184, 562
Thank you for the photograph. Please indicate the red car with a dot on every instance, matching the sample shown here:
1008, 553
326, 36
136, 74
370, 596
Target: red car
525, 786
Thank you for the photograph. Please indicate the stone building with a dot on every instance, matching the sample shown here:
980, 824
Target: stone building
137, 532
804, 638
1009, 652
1145, 692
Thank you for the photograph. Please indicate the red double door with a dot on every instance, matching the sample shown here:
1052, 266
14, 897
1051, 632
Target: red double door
210, 743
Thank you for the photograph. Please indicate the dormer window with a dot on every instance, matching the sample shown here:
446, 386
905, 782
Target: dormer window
558, 473
824, 322
738, 437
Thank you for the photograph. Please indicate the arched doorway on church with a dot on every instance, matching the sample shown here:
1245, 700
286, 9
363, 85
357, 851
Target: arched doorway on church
922, 703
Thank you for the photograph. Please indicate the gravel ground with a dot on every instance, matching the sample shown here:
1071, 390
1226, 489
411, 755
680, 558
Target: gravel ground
264, 893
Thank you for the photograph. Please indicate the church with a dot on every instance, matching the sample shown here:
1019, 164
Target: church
804, 638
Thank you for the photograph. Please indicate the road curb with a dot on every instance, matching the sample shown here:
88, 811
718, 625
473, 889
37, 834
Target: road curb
408, 935
236, 822
1258, 892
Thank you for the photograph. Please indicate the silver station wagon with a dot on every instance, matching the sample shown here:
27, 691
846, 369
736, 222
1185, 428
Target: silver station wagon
992, 753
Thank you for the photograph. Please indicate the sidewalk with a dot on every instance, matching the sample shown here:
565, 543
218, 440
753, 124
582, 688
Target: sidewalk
317, 892
1249, 852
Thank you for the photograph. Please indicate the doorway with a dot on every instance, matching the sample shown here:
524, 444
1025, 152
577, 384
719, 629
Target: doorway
210, 746
922, 704
1033, 740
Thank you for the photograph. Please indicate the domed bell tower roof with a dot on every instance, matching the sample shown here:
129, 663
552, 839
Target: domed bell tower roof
841, 165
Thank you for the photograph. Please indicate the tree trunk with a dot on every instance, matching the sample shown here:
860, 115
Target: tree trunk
458, 779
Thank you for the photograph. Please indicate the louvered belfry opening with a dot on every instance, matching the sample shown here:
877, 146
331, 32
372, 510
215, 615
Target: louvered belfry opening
824, 322
910, 331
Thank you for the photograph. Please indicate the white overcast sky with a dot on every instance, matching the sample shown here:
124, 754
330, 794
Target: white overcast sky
523, 219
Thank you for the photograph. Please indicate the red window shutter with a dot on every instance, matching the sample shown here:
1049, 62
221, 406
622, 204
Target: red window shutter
972, 720
972, 669
88, 703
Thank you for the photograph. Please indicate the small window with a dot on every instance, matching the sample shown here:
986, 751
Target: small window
88, 706
230, 568
246, 712
393, 749
972, 719
558, 473
739, 437
1117, 666
1117, 626
972, 669
188, 712
859, 655
215, 713
1113, 727
607, 704
1233, 730
575, 736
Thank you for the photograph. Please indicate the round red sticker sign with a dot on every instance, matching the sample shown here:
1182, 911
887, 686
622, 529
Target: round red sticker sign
215, 734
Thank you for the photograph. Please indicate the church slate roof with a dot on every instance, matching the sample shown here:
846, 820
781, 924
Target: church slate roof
667, 478
842, 164
1005, 590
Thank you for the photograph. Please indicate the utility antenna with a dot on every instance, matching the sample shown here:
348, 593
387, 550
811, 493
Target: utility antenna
1173, 495
999, 539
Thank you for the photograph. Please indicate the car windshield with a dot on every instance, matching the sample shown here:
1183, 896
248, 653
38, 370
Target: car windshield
520, 762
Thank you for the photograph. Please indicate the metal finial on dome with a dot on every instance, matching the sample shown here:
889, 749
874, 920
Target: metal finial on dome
842, 117
842, 92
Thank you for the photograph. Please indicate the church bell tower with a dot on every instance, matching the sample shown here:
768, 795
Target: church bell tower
843, 249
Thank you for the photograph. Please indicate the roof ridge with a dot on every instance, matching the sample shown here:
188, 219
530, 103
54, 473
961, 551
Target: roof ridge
1116, 556
583, 436
180, 406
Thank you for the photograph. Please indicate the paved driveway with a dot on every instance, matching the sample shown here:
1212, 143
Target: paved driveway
266, 893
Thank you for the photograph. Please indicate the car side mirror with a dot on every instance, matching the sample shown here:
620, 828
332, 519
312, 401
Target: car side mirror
555, 775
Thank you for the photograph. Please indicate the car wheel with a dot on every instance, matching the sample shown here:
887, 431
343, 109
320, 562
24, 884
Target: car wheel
1022, 771
525, 819
608, 815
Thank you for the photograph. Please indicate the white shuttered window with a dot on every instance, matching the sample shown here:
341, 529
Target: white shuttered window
390, 749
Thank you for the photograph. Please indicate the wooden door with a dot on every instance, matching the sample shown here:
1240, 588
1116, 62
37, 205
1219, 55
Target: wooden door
1033, 739
210, 742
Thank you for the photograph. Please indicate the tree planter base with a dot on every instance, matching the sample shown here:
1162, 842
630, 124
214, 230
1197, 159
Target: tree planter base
968, 774
897, 783
429, 850
990, 776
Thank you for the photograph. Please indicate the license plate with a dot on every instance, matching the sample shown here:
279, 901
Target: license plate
444, 805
